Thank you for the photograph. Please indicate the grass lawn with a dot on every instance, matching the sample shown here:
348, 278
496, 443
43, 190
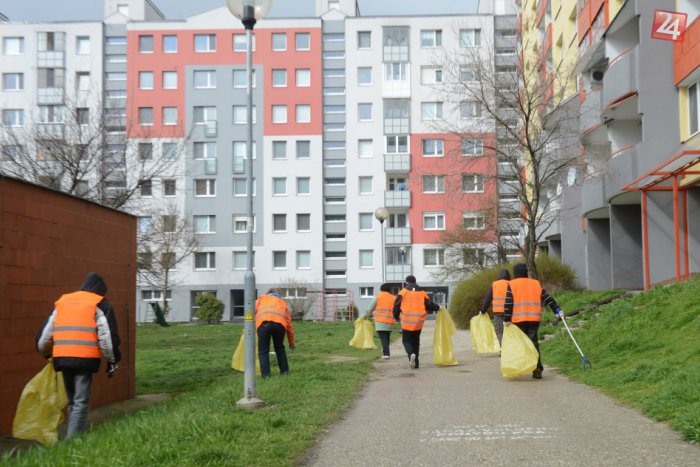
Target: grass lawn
645, 352
202, 425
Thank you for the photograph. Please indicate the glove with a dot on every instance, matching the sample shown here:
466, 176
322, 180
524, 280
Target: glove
111, 369
292, 346
560, 313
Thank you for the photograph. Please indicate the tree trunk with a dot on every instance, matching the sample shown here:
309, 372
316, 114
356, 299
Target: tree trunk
531, 250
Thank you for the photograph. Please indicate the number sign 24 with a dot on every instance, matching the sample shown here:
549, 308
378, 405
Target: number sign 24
669, 25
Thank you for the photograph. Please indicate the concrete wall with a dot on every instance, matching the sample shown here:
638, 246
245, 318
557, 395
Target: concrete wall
598, 254
626, 246
694, 229
662, 265
48, 244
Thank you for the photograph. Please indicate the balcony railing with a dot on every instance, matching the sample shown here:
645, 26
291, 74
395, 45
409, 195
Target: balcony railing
397, 272
620, 78
397, 199
50, 96
397, 162
591, 107
50, 59
398, 236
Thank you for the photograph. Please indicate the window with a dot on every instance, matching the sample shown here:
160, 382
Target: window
50, 114
303, 113
240, 114
240, 224
279, 186
303, 41
205, 79
240, 260
144, 260
82, 45
82, 81
396, 144
433, 221
469, 109
13, 46
431, 75
279, 78
205, 187
365, 148
240, 187
147, 189
279, 114
239, 43
145, 151
144, 224
169, 115
366, 258
431, 38
12, 81
365, 219
364, 75
303, 149
398, 221
433, 148
279, 149
469, 37
303, 185
13, 117
205, 42
364, 39
472, 146
431, 110
10, 152
303, 259
279, 223
145, 115
473, 220
146, 44
693, 108
145, 80
303, 77
204, 150
169, 151
474, 256
467, 75
364, 112
472, 183
279, 41
205, 261
433, 257
433, 183
395, 71
365, 185
170, 44
303, 222
51, 41
170, 80
366, 292
240, 78
169, 187
50, 77
202, 115
116, 40
279, 259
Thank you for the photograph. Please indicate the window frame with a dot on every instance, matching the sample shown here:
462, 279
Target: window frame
210, 187
210, 260
437, 180
208, 44
437, 216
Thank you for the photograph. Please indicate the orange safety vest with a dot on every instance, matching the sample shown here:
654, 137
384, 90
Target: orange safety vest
383, 312
413, 313
271, 308
527, 299
499, 289
75, 328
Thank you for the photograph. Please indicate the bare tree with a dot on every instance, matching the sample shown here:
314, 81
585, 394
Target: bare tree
299, 298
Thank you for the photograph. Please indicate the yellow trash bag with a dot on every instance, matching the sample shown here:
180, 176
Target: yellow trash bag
519, 355
364, 335
40, 407
484, 338
442, 339
238, 359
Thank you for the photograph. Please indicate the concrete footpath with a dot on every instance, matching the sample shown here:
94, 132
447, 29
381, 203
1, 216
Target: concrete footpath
469, 415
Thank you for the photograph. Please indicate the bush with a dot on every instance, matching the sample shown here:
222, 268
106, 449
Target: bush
210, 308
554, 275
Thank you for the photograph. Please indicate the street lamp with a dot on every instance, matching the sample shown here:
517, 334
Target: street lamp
382, 214
249, 12
402, 250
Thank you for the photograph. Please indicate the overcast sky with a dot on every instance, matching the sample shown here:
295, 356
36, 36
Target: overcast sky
61, 10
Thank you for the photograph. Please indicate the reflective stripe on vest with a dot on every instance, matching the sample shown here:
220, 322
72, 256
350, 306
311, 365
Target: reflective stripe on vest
383, 312
413, 313
75, 329
527, 296
271, 308
499, 290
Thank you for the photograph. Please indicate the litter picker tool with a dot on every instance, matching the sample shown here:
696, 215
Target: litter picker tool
585, 362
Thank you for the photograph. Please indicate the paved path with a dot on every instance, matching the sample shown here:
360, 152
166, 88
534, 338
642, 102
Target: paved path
468, 415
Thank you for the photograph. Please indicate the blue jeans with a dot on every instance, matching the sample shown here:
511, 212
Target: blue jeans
78, 386
275, 331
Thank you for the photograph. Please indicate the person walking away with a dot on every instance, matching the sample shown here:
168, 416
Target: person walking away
411, 306
382, 311
496, 298
273, 321
80, 330
523, 306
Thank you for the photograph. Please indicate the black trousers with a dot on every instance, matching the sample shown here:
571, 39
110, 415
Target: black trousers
385, 337
411, 342
530, 329
275, 331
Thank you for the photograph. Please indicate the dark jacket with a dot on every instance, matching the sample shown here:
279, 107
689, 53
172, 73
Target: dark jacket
107, 332
429, 305
488, 298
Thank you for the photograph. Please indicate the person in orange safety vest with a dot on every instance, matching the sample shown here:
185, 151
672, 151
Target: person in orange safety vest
411, 307
382, 311
273, 321
496, 298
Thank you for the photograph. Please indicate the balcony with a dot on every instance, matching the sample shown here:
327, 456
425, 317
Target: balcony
396, 126
593, 193
397, 272
398, 236
397, 162
51, 130
591, 107
50, 59
397, 199
620, 80
622, 168
50, 96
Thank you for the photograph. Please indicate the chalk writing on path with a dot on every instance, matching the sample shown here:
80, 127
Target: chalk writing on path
508, 431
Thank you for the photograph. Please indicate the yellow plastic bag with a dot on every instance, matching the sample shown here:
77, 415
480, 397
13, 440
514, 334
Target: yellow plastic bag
40, 407
364, 335
519, 355
238, 358
484, 338
442, 339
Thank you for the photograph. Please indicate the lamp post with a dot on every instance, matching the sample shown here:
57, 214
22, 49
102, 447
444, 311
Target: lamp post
402, 250
249, 12
382, 214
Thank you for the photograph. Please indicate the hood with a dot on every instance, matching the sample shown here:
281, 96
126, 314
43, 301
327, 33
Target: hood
503, 274
95, 284
520, 270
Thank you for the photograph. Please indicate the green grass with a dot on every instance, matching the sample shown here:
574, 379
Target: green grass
645, 352
570, 300
202, 425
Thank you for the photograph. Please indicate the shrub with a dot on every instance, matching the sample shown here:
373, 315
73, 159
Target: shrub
554, 275
210, 308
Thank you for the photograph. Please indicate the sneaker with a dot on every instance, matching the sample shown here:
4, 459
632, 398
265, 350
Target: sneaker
537, 374
412, 360
385, 357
